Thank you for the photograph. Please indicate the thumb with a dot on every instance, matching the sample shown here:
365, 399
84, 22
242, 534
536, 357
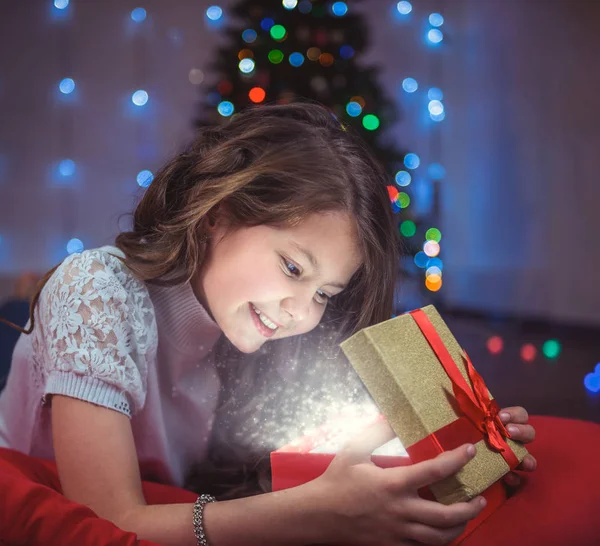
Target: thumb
359, 449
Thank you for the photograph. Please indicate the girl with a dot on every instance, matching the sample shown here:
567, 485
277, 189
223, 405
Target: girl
260, 230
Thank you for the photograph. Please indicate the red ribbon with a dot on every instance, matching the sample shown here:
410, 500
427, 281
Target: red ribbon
479, 418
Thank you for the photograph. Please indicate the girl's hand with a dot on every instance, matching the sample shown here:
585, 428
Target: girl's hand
361, 504
516, 420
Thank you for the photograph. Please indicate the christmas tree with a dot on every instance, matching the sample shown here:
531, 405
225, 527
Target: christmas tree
279, 51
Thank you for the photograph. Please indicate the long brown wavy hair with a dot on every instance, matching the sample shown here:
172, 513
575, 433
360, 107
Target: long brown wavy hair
273, 165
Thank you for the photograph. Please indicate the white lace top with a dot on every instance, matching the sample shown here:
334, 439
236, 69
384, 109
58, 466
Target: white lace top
105, 337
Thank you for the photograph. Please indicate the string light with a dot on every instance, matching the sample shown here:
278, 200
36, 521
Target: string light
61, 4
433, 234
246, 66
435, 107
346, 52
326, 59
278, 33
275, 56
267, 23
551, 349
257, 94
403, 178
296, 59
412, 161
289, 4
370, 122
495, 345
435, 36
353, 109
408, 228
528, 352
436, 20
431, 248
339, 9
66, 167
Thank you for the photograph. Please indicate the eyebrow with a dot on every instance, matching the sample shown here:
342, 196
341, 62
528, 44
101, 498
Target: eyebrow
311, 258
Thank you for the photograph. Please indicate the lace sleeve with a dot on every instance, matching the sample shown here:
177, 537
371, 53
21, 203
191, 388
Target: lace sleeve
96, 332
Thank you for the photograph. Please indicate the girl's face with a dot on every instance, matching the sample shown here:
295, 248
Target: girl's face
264, 283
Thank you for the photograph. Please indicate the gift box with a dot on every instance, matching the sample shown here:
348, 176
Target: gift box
434, 399
306, 458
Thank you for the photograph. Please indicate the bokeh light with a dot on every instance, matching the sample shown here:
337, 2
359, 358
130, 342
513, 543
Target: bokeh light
435, 93
433, 234
267, 23
433, 270
313, 53
144, 178
61, 4
433, 283
346, 52
305, 6
326, 59
412, 161
495, 345
528, 352
225, 108
296, 59
403, 178
214, 13
66, 86
138, 14
339, 9
592, 382
289, 4
408, 228
421, 259
278, 32
431, 249
257, 94
410, 85
404, 7
275, 56
435, 107
403, 200
75, 246
436, 20
196, 76
249, 35
246, 66
551, 348
435, 36
436, 171
139, 97
66, 167
370, 122
353, 109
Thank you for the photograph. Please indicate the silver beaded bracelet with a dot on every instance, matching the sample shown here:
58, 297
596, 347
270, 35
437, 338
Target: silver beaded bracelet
201, 501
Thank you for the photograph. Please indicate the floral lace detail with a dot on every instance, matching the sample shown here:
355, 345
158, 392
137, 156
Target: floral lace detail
96, 319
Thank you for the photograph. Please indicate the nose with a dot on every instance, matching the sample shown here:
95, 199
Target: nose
297, 307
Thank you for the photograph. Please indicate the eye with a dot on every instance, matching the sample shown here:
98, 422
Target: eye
292, 271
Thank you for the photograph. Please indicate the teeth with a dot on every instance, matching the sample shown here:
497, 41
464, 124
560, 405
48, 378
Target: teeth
265, 320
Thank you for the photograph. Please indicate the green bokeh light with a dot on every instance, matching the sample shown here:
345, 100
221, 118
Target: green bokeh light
278, 32
408, 228
433, 234
551, 348
275, 56
403, 200
370, 122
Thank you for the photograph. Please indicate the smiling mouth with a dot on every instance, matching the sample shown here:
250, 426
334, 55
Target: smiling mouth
263, 323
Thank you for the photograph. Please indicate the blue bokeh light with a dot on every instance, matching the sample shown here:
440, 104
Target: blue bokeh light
66, 86
435, 36
214, 13
339, 9
410, 85
592, 382
267, 23
346, 52
353, 109
249, 35
438, 117
305, 6
296, 59
139, 97
435, 107
66, 167
138, 14
404, 7
144, 178
75, 246
412, 161
435, 93
436, 20
403, 178
61, 4
435, 262
421, 259
225, 108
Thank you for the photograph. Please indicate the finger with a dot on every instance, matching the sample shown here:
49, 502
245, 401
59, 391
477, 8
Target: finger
427, 472
515, 414
444, 516
512, 479
529, 463
424, 534
360, 448
521, 433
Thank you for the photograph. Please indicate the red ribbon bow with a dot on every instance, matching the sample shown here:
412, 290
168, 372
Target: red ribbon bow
474, 403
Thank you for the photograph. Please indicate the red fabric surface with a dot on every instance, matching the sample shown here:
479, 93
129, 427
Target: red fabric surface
557, 505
